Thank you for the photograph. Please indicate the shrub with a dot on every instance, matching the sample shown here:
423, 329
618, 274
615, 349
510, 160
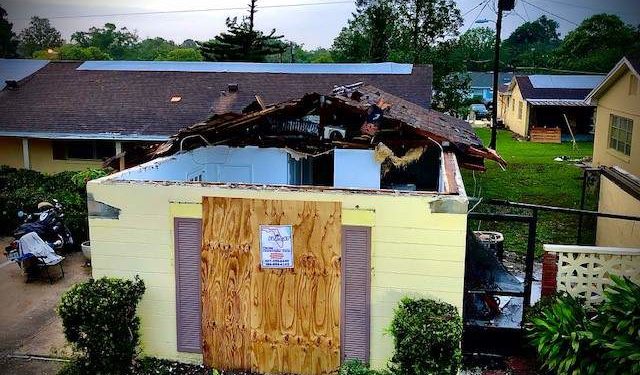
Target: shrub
561, 337
535, 311
99, 319
570, 339
357, 367
427, 337
22, 189
616, 330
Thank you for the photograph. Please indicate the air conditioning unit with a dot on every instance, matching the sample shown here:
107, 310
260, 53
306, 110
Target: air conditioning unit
334, 133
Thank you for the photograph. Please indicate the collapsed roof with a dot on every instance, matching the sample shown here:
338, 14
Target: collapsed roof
354, 116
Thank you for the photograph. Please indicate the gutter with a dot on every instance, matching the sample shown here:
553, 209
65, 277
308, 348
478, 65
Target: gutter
87, 136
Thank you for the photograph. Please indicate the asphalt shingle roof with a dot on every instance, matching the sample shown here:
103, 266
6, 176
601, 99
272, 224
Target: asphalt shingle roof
530, 92
61, 99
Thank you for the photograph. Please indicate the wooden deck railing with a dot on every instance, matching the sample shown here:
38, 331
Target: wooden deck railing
583, 271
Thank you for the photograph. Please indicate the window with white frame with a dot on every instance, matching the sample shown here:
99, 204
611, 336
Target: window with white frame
620, 132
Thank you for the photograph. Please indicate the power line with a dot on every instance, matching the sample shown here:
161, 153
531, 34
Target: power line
526, 12
190, 10
472, 9
479, 13
579, 6
551, 14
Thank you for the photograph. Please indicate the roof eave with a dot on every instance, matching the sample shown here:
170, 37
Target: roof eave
610, 78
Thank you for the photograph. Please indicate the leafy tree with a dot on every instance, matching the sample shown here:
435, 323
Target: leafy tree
597, 44
8, 41
183, 54
426, 22
531, 43
189, 43
353, 41
475, 47
151, 49
72, 52
242, 42
296, 53
108, 39
39, 35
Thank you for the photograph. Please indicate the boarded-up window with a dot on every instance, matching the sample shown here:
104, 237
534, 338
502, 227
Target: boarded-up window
188, 239
356, 291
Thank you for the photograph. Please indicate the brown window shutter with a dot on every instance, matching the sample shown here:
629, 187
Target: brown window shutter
356, 292
188, 240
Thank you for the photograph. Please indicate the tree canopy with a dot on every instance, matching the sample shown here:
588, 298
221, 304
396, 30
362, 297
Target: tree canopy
39, 35
531, 43
597, 44
108, 39
8, 41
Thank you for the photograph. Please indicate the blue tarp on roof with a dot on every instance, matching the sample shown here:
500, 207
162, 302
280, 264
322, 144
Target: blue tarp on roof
18, 69
242, 67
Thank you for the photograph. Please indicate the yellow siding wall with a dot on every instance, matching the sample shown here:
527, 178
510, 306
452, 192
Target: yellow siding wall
41, 154
617, 101
11, 152
414, 252
612, 232
509, 112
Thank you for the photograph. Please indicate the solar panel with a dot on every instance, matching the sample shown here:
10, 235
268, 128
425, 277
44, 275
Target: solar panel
540, 81
242, 67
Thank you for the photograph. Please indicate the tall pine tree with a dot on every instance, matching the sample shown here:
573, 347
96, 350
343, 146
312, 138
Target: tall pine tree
241, 42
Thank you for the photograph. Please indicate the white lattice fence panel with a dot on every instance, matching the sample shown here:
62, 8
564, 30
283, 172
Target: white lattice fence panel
585, 274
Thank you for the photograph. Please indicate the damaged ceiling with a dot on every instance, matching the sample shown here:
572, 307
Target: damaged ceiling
355, 116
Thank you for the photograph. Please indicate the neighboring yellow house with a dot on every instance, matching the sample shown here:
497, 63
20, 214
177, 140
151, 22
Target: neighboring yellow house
363, 235
547, 101
617, 149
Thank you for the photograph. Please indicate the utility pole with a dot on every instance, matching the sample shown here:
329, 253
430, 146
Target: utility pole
502, 5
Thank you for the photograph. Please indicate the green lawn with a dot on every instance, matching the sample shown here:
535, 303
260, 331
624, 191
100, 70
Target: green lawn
531, 176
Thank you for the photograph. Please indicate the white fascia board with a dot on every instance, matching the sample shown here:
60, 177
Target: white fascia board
86, 136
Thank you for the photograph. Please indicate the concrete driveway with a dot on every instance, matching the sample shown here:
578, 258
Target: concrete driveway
29, 325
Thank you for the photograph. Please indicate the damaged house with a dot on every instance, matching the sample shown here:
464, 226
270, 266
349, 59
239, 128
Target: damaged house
280, 238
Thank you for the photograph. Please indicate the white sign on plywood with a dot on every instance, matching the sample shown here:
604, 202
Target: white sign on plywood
276, 246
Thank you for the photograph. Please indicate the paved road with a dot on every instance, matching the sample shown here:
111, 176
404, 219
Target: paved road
28, 322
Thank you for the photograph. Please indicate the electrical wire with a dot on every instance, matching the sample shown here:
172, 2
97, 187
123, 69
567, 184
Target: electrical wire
189, 10
526, 12
581, 6
479, 13
472, 9
549, 13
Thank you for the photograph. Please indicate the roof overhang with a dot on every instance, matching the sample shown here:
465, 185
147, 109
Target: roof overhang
86, 136
621, 67
558, 102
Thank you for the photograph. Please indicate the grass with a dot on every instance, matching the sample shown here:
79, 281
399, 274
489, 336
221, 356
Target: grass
532, 176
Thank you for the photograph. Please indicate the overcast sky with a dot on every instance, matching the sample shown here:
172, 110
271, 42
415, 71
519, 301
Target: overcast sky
313, 25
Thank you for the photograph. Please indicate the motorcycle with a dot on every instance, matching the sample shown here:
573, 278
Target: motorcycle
47, 224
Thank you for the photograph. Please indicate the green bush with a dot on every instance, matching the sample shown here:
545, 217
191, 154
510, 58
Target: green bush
427, 336
561, 337
572, 340
99, 319
616, 331
357, 367
23, 189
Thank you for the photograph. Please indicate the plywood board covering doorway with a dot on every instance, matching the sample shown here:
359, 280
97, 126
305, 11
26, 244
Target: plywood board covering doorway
271, 320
